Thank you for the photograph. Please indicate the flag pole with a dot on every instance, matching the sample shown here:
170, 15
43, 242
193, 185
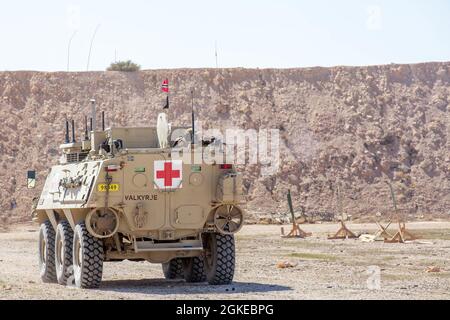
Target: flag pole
165, 88
168, 96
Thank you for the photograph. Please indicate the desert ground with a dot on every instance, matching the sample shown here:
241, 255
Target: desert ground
323, 269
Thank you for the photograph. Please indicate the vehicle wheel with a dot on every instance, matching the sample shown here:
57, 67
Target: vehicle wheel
194, 269
63, 252
87, 258
219, 258
47, 252
173, 269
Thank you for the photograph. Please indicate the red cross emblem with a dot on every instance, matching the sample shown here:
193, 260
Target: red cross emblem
168, 174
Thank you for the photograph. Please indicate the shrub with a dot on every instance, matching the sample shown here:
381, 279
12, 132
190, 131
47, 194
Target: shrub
125, 66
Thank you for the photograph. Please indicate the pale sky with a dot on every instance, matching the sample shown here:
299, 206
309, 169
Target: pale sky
34, 35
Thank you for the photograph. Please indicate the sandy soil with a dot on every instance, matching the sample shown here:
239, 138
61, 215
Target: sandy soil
324, 269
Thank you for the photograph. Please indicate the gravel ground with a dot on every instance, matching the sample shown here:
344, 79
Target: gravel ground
324, 269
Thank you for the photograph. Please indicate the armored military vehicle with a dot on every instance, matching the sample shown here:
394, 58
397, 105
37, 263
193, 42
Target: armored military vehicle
119, 194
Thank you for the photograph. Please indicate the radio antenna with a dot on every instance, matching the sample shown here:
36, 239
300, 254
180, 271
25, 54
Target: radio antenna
193, 117
86, 135
66, 140
90, 47
217, 63
93, 115
73, 131
68, 49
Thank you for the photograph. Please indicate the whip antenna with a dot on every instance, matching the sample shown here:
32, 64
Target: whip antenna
193, 117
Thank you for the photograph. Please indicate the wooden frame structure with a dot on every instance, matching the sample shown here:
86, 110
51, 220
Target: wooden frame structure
296, 231
402, 234
343, 232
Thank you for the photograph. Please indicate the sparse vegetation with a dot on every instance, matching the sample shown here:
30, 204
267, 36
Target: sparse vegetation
396, 277
445, 275
124, 66
313, 256
433, 234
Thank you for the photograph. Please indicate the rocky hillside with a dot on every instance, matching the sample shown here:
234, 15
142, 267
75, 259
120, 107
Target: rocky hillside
361, 126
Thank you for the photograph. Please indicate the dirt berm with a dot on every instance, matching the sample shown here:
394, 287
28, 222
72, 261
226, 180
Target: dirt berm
358, 124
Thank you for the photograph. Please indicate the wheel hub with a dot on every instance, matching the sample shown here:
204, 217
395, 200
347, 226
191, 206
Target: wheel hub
228, 219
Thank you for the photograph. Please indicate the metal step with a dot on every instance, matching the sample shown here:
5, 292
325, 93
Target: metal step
183, 245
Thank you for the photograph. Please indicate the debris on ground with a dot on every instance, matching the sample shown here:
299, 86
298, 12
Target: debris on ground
420, 242
286, 265
269, 221
370, 237
433, 269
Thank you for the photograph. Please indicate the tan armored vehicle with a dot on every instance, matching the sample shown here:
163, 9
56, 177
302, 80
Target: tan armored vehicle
119, 194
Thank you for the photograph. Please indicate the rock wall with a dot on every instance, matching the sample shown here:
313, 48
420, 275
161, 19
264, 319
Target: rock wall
358, 125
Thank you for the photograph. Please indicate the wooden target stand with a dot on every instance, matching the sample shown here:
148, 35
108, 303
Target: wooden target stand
383, 233
344, 232
296, 231
402, 235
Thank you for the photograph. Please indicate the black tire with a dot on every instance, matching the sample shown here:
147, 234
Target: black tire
194, 269
173, 269
219, 258
87, 258
64, 252
47, 252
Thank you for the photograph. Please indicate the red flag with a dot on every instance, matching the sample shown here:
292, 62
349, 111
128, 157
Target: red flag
165, 86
